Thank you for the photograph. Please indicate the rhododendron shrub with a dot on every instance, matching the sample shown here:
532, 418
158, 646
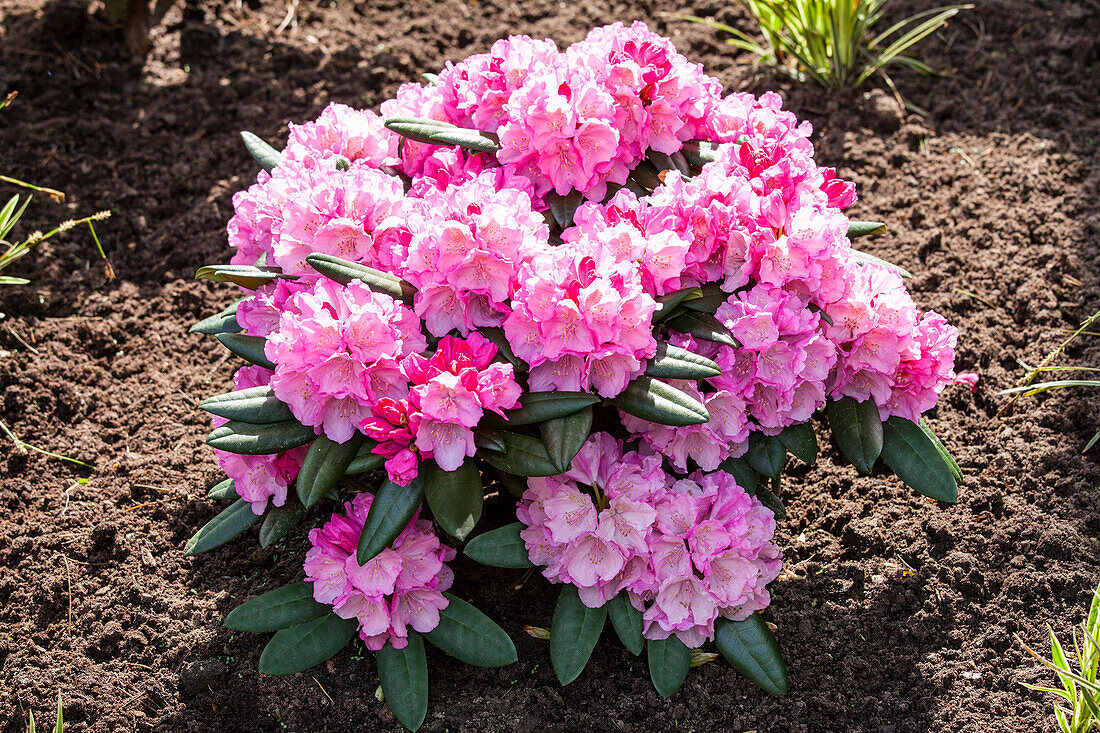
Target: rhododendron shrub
583, 279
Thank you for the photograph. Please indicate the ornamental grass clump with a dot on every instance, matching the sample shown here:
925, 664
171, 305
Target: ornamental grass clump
584, 279
833, 42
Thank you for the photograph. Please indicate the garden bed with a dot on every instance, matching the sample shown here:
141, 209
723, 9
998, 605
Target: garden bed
898, 613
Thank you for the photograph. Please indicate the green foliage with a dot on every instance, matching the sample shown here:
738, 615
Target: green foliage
390, 512
833, 42
404, 677
751, 648
232, 521
573, 634
305, 645
500, 548
277, 610
669, 662
1080, 690
12, 251
59, 725
470, 636
455, 497
661, 403
627, 622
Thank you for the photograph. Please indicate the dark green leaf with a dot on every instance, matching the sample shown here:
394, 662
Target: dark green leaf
249, 348
267, 156
222, 322
646, 175
766, 454
404, 677
256, 405
865, 228
389, 514
516, 485
573, 634
669, 662
365, 460
661, 403
260, 440
470, 636
746, 477
500, 548
277, 610
627, 622
524, 456
801, 442
667, 303
563, 208
857, 429
455, 497
672, 362
944, 453
768, 498
700, 152
324, 465
703, 326
750, 647
343, 272
536, 407
489, 439
868, 259
306, 645
246, 276
441, 133
712, 299
912, 455
279, 521
504, 349
226, 489
233, 520
565, 436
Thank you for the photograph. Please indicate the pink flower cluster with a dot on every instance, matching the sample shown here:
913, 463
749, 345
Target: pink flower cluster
401, 587
685, 550
258, 479
446, 397
581, 319
337, 351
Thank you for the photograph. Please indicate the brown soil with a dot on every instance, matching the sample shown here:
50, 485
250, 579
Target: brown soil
902, 615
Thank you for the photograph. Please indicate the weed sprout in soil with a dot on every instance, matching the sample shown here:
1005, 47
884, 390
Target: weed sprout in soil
581, 278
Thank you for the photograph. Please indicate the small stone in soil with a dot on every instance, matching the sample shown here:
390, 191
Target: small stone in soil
197, 676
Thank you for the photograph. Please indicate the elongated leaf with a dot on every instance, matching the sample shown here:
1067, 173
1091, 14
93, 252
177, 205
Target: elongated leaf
222, 322
912, 455
404, 677
667, 304
324, 465
700, 152
455, 497
436, 133
260, 440
470, 636
279, 521
277, 609
703, 326
226, 489
536, 407
306, 645
267, 156
750, 647
801, 442
766, 455
672, 362
865, 228
565, 436
768, 498
524, 456
857, 429
573, 634
256, 405
365, 460
661, 403
249, 348
627, 622
500, 548
232, 521
944, 453
489, 439
389, 514
343, 272
740, 470
669, 662
516, 485
244, 275
868, 259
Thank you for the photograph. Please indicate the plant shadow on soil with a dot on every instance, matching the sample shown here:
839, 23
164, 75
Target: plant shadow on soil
900, 614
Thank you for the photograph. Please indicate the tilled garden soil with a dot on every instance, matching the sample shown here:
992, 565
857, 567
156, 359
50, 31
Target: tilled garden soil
898, 614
